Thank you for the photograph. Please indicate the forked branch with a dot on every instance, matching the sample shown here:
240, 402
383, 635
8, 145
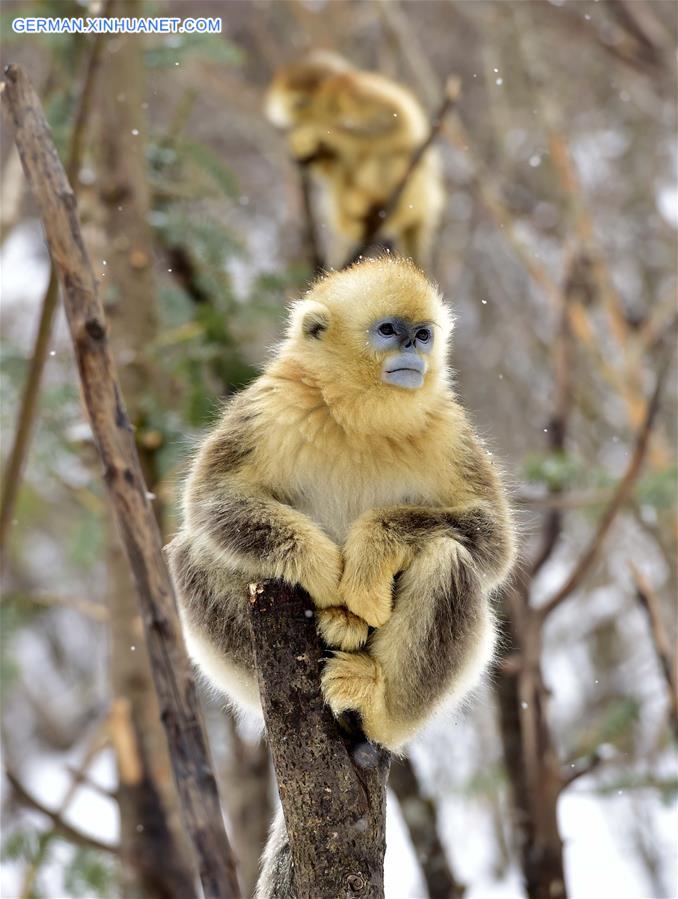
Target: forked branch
619, 497
662, 644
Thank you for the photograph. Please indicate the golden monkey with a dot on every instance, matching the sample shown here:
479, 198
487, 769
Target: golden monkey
359, 130
348, 467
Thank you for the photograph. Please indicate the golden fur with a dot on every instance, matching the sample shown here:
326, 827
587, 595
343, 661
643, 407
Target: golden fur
359, 130
380, 501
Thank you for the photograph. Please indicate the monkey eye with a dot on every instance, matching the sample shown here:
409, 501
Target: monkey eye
423, 335
386, 330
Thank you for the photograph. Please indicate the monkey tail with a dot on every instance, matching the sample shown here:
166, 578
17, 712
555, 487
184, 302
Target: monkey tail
275, 880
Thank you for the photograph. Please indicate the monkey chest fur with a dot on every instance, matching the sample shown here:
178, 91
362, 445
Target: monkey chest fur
335, 485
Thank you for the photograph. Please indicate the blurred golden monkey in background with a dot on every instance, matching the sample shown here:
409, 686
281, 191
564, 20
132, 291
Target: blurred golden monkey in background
358, 130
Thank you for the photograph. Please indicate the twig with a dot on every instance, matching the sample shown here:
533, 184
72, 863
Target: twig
87, 783
575, 771
16, 458
575, 499
332, 788
650, 603
310, 232
71, 833
83, 606
618, 499
400, 28
124, 480
379, 216
563, 369
96, 744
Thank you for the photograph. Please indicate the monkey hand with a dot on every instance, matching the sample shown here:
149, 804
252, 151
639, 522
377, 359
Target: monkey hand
318, 570
370, 564
342, 629
371, 601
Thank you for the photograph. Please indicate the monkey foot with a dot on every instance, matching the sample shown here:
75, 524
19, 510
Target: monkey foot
341, 628
349, 681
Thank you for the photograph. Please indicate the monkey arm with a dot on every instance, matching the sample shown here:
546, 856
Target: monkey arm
440, 562
231, 509
472, 512
435, 647
267, 538
305, 143
384, 542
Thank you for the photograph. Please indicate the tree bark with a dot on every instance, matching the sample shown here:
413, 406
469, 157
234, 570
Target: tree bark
421, 817
153, 846
331, 780
127, 490
532, 766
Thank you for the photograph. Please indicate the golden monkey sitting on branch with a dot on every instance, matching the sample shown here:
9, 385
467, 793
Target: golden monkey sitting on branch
350, 468
358, 131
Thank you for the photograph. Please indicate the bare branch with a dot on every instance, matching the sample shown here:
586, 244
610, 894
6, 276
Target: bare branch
618, 499
83, 606
650, 603
379, 216
16, 458
581, 769
310, 233
71, 833
127, 490
332, 785
563, 369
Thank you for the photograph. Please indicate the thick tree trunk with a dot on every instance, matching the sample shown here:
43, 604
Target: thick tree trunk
332, 782
124, 480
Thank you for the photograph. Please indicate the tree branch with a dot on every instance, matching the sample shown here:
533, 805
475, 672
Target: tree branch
79, 837
650, 603
421, 817
310, 231
29, 400
127, 490
563, 375
332, 785
575, 771
618, 499
379, 216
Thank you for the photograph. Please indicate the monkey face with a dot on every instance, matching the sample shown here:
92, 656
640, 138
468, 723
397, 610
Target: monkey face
406, 345
285, 107
290, 98
379, 327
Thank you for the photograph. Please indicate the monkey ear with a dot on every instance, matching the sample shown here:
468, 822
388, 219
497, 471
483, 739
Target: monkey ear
315, 321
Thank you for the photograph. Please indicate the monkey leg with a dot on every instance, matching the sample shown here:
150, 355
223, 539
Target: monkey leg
214, 616
435, 646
